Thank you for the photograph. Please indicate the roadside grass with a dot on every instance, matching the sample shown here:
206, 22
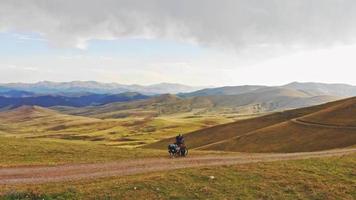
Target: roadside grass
31, 195
25, 152
317, 178
20, 151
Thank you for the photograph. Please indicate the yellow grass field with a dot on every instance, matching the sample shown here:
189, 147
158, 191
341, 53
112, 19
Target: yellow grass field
133, 131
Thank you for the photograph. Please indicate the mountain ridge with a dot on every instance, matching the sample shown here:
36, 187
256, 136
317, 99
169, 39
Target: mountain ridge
312, 88
256, 102
48, 87
74, 101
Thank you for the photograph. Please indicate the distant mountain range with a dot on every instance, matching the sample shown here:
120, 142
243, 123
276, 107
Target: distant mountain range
266, 99
227, 90
342, 90
15, 93
313, 89
247, 98
74, 87
47, 87
18, 99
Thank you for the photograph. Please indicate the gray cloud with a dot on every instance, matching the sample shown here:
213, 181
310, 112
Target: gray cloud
240, 24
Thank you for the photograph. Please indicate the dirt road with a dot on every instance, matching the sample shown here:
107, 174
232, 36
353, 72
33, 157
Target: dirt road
70, 172
314, 124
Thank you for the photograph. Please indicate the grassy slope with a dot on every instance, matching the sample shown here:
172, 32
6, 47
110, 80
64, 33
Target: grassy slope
342, 115
292, 137
20, 151
325, 178
221, 132
289, 137
270, 133
25, 152
131, 131
225, 131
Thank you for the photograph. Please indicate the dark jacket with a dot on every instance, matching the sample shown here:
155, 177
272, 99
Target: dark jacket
179, 140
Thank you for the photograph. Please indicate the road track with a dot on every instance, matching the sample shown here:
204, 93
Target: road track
321, 125
73, 172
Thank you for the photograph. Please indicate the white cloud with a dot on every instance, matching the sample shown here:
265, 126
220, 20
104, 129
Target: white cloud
255, 29
27, 37
240, 24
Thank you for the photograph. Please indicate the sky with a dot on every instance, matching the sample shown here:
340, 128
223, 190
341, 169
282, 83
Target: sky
200, 42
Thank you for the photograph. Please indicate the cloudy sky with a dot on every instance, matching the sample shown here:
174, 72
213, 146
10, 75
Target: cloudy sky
196, 42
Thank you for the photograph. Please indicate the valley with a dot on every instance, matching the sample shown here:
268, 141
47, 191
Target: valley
61, 147
43, 123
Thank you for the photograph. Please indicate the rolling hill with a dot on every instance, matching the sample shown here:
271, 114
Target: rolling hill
314, 128
227, 90
158, 105
39, 122
342, 90
33, 121
237, 99
311, 88
267, 99
339, 115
